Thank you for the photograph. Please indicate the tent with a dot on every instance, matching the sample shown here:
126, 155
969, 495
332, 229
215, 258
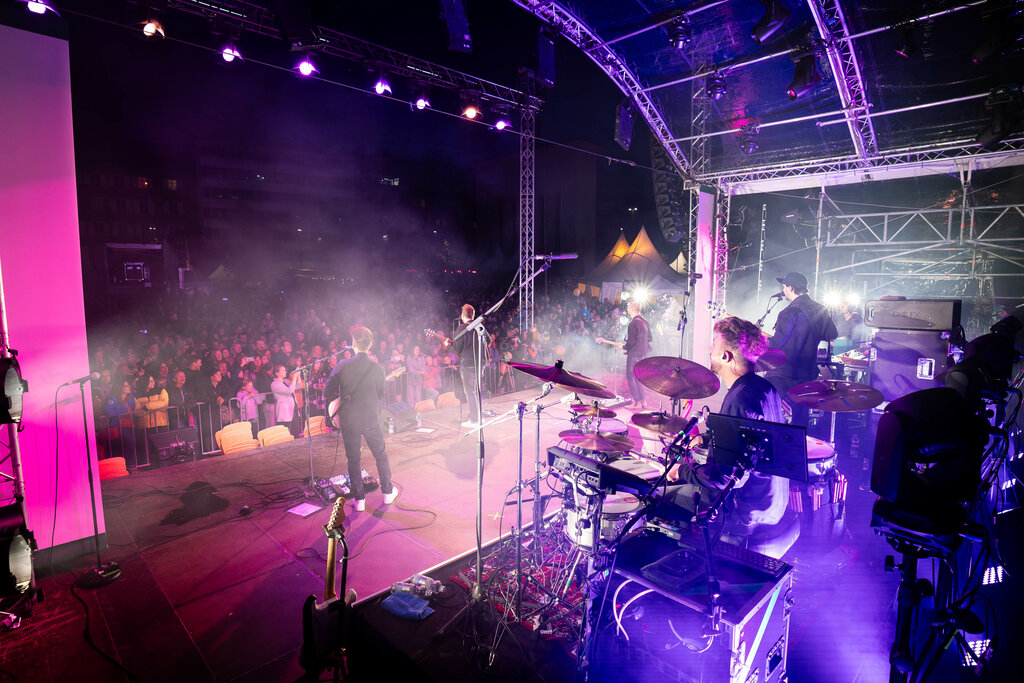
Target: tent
620, 249
679, 265
641, 264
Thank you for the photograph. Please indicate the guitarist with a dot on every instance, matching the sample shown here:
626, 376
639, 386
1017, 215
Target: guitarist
636, 347
466, 348
358, 382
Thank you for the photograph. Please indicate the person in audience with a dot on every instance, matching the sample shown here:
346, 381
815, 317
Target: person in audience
283, 388
249, 401
416, 365
120, 425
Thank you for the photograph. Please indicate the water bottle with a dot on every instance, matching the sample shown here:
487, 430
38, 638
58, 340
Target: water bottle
419, 420
391, 425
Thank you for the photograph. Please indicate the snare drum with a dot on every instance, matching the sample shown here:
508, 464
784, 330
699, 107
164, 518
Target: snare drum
615, 512
610, 425
821, 459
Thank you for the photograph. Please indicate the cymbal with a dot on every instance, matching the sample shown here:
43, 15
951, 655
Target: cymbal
770, 360
662, 423
835, 396
585, 410
601, 441
676, 377
572, 381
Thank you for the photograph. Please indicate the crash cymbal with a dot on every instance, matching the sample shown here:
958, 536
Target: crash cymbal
835, 396
676, 377
601, 441
663, 423
585, 410
572, 381
771, 359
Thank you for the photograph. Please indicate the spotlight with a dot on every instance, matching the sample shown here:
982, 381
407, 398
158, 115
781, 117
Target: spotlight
501, 111
853, 298
907, 45
470, 104
625, 296
382, 86
422, 100
775, 17
151, 28
805, 77
748, 139
306, 67
641, 295
230, 54
715, 87
679, 32
39, 7
832, 299
1005, 104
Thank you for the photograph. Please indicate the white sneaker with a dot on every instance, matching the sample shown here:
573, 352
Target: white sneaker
360, 504
389, 498
469, 424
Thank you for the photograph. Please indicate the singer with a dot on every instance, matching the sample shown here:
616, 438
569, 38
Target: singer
761, 499
800, 327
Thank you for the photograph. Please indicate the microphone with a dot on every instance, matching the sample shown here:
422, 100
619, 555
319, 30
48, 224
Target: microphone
777, 295
696, 276
556, 257
82, 380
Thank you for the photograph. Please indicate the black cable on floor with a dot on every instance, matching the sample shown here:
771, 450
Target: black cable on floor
88, 639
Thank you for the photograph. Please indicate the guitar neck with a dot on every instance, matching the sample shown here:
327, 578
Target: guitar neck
332, 559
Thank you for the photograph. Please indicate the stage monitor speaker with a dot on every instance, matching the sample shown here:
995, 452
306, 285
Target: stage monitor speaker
936, 315
401, 415
454, 14
175, 443
905, 361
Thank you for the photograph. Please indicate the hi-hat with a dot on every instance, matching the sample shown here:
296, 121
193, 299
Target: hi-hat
585, 410
601, 441
771, 359
663, 423
571, 381
835, 396
676, 377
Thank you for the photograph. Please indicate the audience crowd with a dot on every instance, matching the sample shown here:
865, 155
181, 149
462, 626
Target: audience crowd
204, 361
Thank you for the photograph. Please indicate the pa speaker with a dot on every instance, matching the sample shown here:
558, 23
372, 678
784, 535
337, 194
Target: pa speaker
400, 414
936, 315
904, 362
176, 442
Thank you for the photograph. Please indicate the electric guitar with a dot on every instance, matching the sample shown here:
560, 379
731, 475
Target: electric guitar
611, 342
437, 335
334, 407
325, 625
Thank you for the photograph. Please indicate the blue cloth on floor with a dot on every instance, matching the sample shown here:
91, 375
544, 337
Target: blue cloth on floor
407, 606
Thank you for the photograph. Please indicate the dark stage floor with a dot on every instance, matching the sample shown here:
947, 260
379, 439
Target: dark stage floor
211, 594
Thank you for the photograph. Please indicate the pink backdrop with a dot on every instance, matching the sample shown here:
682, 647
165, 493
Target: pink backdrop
704, 257
42, 275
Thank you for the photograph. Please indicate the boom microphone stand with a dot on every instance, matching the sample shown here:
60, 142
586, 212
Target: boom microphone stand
303, 371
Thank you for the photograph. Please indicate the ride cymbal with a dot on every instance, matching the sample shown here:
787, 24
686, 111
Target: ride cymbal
835, 396
600, 441
663, 423
676, 377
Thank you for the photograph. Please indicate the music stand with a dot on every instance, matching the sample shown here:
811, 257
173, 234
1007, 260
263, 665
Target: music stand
780, 449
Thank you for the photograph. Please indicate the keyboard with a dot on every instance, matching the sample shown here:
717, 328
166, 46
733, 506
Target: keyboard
751, 559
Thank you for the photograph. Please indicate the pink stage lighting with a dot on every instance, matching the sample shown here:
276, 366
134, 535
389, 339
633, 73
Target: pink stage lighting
38, 7
231, 54
306, 67
382, 86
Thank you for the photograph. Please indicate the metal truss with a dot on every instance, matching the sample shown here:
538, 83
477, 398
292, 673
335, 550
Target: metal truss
527, 159
831, 22
905, 162
720, 257
246, 16
700, 112
580, 35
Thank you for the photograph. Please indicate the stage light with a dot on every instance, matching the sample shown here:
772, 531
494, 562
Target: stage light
748, 139
907, 45
679, 33
714, 87
422, 100
470, 104
625, 296
1004, 104
993, 575
853, 298
832, 299
382, 86
230, 54
306, 67
13, 387
152, 28
805, 77
641, 295
501, 111
775, 17
38, 7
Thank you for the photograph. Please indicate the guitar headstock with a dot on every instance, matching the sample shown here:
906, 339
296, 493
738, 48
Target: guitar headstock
337, 516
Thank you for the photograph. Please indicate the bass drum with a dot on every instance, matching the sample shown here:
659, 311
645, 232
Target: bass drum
615, 512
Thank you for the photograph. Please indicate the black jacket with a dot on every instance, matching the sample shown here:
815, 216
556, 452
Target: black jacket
799, 328
360, 383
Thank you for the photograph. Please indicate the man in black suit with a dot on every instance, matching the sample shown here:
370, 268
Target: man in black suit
358, 384
466, 348
800, 327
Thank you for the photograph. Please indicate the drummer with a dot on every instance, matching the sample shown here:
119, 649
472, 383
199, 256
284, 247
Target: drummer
759, 499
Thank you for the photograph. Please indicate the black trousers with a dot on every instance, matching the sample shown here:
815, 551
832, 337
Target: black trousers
469, 387
636, 390
782, 384
353, 430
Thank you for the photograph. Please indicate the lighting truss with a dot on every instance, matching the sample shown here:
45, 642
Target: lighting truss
527, 265
831, 22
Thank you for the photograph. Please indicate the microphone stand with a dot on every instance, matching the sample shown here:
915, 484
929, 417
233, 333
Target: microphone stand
303, 370
477, 327
771, 304
102, 574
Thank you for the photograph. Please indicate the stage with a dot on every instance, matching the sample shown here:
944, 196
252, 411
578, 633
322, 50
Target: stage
216, 570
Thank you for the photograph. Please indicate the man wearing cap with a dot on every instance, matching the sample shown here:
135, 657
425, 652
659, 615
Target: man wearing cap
798, 330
